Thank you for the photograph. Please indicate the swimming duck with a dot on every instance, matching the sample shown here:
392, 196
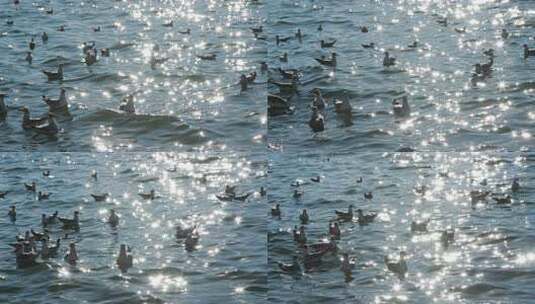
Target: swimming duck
124, 260
257, 30
278, 106
528, 52
72, 256
113, 218
515, 186
298, 34
10, 22
207, 57
401, 107
300, 236
303, 217
263, 67
44, 37
168, 24
388, 61
327, 62
329, 44
86, 47
154, 61
443, 21
290, 268
127, 105
251, 77
96, 29
318, 101
243, 82
323, 247
3, 107
359, 180
346, 267
460, 30
49, 252
30, 187
50, 11
25, 258
73, 223
505, 34
3, 194
484, 69
334, 231
55, 75
413, 45
43, 195
289, 73
420, 189
316, 121
345, 216
278, 39
29, 57
100, 197
363, 29
31, 45
506, 200
45, 221
105, 52
94, 174
185, 32
91, 57
46, 173
183, 232
58, 106
50, 128
400, 267
284, 57
276, 211
447, 237
12, 213
369, 45
478, 196
320, 28
316, 179
342, 107
191, 241
148, 196
365, 219
368, 195
263, 191
489, 53
419, 226
38, 236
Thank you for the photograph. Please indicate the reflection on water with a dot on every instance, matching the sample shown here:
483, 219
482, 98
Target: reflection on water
436, 45
225, 264
489, 258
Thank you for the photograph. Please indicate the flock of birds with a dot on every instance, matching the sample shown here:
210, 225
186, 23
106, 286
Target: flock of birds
290, 79
312, 254
26, 247
58, 109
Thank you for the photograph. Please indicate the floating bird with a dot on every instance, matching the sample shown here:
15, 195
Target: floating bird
30, 187
303, 217
413, 45
327, 62
276, 211
12, 213
320, 28
484, 69
368, 195
257, 30
183, 232
478, 196
3, 107
318, 102
300, 236
528, 52
329, 44
363, 29
316, 121
72, 256
44, 37
10, 22
316, 179
45, 221
43, 195
515, 186
443, 21
359, 180
50, 128
506, 200
46, 173
370, 45
284, 57
27, 122
105, 52
298, 193
73, 223
113, 218
127, 104
86, 47
31, 45
49, 252
61, 28
342, 107
401, 107
29, 57
55, 75
207, 57
148, 196
263, 191
447, 237
38, 236
419, 226
290, 268
3, 194
323, 247
298, 34
334, 231
346, 267
96, 29
505, 34
460, 30
388, 61
191, 241
25, 258
365, 219
168, 24
345, 216
50, 11
100, 197
94, 174
400, 267
124, 260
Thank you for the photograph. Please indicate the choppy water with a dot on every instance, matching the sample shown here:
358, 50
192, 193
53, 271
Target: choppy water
186, 103
448, 112
227, 266
491, 260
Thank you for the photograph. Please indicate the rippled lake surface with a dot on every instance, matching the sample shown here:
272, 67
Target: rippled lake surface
228, 265
450, 112
490, 261
185, 103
